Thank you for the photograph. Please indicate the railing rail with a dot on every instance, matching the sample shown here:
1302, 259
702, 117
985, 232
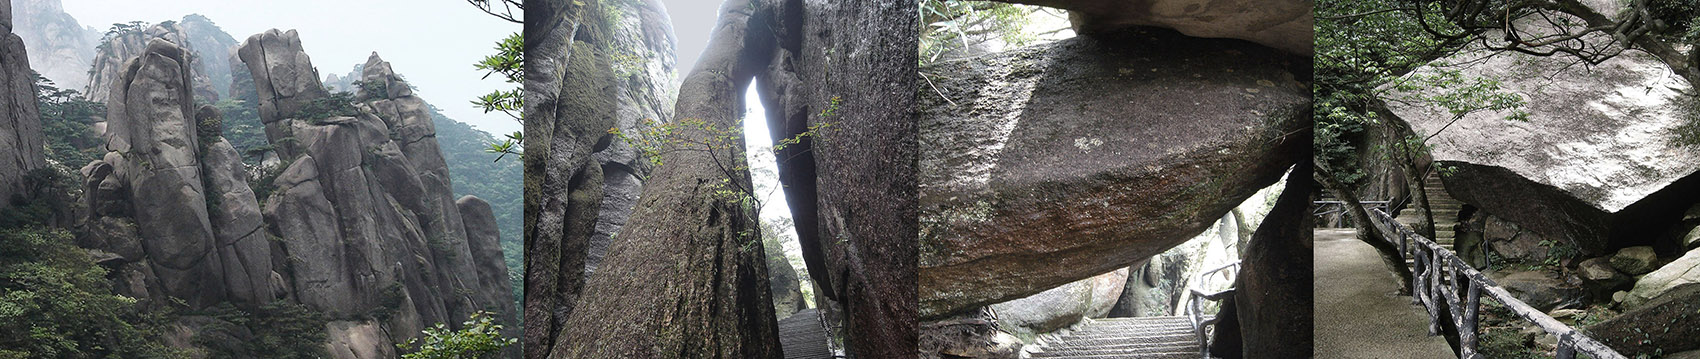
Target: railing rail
1438, 283
1195, 305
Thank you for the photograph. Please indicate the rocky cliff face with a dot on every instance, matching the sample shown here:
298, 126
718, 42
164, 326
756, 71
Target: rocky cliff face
360, 223
1000, 220
582, 193
849, 66
364, 209
112, 55
171, 190
60, 48
20, 120
1595, 164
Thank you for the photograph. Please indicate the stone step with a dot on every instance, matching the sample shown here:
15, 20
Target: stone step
1125, 337
1139, 337
1122, 353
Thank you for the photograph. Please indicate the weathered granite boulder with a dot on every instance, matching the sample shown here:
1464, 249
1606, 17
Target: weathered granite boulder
357, 340
1002, 220
1685, 271
1272, 297
1062, 306
20, 119
1667, 324
237, 224
1512, 242
485, 240
1600, 279
1539, 289
60, 48
111, 58
1284, 24
155, 150
410, 125
1595, 165
286, 81
363, 211
1636, 260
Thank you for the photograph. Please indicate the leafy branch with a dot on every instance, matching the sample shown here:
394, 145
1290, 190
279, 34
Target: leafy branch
509, 62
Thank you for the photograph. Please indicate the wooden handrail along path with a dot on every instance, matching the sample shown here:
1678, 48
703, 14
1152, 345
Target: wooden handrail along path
1438, 283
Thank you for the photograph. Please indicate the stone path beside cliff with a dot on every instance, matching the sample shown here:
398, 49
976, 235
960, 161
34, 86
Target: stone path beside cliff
1358, 314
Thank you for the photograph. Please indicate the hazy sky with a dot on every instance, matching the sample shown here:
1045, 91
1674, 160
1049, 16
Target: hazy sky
692, 22
431, 42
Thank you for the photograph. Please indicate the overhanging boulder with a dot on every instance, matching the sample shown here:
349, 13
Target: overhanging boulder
1051, 164
1596, 162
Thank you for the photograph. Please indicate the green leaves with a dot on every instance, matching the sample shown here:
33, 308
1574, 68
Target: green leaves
509, 145
949, 25
480, 337
509, 61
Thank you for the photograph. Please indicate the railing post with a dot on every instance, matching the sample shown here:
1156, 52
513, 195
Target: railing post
1468, 334
1565, 348
1198, 314
1431, 289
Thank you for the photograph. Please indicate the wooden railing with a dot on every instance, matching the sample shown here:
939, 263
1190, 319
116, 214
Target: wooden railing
1195, 305
1443, 282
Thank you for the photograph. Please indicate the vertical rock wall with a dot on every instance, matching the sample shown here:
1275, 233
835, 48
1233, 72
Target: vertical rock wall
172, 186
363, 211
20, 120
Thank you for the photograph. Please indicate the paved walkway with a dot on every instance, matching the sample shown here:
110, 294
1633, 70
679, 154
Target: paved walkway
1358, 314
802, 337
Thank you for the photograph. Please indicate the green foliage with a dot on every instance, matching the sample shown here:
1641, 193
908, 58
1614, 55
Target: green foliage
48, 195
1681, 19
948, 25
338, 104
1366, 51
119, 30
280, 330
55, 303
509, 61
373, 89
265, 180
67, 124
480, 337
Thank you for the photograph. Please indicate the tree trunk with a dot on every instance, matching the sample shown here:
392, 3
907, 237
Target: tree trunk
1367, 232
687, 277
1414, 179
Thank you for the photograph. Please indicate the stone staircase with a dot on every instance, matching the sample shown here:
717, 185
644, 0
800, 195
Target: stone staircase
1141, 337
1445, 210
801, 336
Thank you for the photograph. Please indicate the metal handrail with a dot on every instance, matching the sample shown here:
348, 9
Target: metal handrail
1437, 277
1195, 308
